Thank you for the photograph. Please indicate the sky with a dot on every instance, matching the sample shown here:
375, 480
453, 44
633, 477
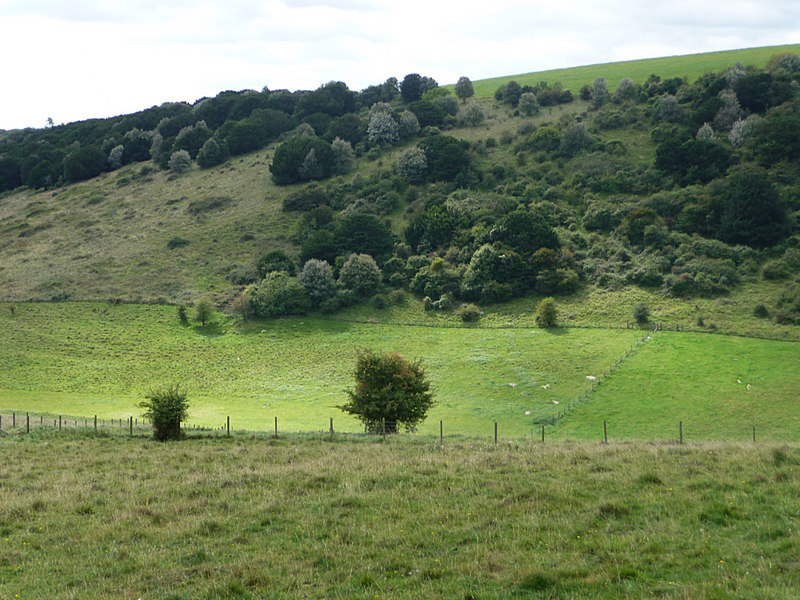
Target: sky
81, 59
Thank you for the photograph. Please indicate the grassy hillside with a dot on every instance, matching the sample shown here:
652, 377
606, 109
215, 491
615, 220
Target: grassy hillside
86, 517
690, 66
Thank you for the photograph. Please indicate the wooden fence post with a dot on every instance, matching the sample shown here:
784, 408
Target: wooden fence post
27, 423
59, 422
441, 433
13, 419
331, 428
95, 422
543, 434
754, 434
605, 432
495, 432
228, 425
680, 428
131, 426
276, 427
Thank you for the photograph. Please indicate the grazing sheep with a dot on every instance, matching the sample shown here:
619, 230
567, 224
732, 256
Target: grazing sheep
591, 377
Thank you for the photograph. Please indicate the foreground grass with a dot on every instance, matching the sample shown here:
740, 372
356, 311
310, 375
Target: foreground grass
104, 517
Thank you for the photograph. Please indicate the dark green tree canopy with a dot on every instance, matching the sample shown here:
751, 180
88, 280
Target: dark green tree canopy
302, 158
446, 156
390, 391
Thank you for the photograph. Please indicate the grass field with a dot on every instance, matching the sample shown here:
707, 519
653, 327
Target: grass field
108, 517
100, 359
94, 358
690, 66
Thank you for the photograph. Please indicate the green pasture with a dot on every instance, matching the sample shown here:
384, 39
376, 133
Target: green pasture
720, 387
96, 358
89, 359
690, 66
90, 517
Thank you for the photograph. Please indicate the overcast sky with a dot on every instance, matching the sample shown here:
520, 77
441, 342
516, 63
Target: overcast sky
78, 59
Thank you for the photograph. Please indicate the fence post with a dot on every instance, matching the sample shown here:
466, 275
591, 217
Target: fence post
754, 434
59, 422
383, 427
495, 432
13, 419
605, 432
276, 426
95, 422
680, 428
131, 426
441, 433
228, 425
27, 423
331, 428
543, 434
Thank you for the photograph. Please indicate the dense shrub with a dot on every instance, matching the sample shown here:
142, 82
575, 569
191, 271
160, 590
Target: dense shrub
641, 314
274, 261
547, 313
317, 277
390, 391
166, 408
279, 294
360, 274
469, 313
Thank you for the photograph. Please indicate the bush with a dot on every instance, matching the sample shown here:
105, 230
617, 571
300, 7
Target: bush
360, 274
390, 391
279, 294
180, 161
641, 313
317, 277
183, 313
166, 409
469, 313
760, 311
547, 313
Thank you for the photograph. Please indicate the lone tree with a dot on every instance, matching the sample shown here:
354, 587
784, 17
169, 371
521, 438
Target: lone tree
464, 89
203, 310
390, 391
166, 409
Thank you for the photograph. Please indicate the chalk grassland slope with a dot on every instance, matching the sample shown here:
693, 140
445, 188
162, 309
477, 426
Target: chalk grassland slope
110, 237
690, 66
86, 359
720, 387
84, 517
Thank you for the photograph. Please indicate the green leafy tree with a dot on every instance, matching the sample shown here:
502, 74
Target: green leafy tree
84, 164
360, 274
446, 156
382, 130
464, 89
166, 409
274, 261
390, 391
203, 309
211, 154
279, 294
600, 93
412, 165
317, 277
528, 104
547, 313
294, 160
180, 161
